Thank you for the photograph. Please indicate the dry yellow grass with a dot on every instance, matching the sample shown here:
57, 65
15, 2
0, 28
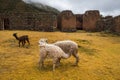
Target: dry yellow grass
99, 57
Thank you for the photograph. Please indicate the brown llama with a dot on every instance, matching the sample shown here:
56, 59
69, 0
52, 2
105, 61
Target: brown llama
22, 39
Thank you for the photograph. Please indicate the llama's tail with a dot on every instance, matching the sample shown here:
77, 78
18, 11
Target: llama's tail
66, 55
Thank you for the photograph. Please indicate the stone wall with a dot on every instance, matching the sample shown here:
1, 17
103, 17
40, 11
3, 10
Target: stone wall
67, 21
117, 24
1, 23
29, 21
109, 24
89, 20
4, 21
105, 24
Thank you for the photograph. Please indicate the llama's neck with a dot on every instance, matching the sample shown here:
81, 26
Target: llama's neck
16, 37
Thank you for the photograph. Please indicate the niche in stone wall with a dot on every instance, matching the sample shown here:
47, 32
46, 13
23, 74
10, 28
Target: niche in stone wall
6, 24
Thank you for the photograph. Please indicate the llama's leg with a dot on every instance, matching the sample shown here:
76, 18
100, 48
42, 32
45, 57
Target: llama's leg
19, 43
76, 56
22, 43
58, 62
28, 41
54, 63
74, 53
41, 62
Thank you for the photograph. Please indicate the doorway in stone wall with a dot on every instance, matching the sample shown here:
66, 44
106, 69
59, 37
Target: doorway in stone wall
6, 24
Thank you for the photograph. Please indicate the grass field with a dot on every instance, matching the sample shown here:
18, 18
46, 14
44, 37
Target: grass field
99, 57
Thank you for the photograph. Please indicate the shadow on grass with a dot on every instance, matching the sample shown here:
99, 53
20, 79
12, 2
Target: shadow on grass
87, 50
83, 41
14, 43
108, 34
64, 66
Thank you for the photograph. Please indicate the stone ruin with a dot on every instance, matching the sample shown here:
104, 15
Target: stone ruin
117, 24
28, 21
89, 20
66, 21
109, 24
105, 24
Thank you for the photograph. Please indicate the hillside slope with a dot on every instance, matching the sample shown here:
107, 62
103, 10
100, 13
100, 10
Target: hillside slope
44, 7
21, 6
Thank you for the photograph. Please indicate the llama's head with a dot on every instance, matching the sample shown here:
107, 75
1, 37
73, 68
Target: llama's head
42, 42
14, 34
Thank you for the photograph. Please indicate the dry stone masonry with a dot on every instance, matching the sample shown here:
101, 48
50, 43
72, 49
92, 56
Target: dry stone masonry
89, 20
28, 21
65, 21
